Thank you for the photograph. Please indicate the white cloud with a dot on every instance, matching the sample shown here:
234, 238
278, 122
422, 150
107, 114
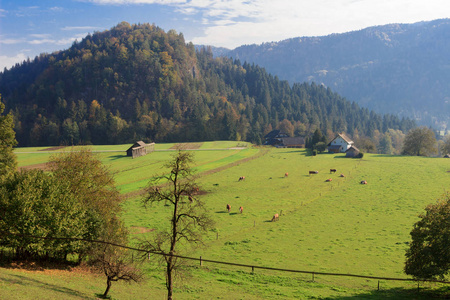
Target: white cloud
68, 28
40, 35
10, 41
9, 61
45, 39
2, 12
231, 23
127, 2
56, 9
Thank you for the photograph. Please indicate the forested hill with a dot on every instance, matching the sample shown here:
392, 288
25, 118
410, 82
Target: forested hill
137, 82
402, 69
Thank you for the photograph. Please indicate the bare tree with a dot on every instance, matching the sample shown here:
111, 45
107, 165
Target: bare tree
188, 217
116, 266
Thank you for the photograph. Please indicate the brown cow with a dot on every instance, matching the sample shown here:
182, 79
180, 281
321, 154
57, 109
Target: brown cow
342, 175
241, 209
332, 171
275, 217
241, 178
363, 182
313, 172
286, 174
328, 180
228, 207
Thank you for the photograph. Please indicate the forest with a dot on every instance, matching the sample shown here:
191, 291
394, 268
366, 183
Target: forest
138, 82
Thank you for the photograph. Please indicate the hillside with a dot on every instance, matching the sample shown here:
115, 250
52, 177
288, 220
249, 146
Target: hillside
137, 82
401, 69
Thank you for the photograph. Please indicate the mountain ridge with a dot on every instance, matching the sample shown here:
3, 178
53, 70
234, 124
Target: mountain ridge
396, 68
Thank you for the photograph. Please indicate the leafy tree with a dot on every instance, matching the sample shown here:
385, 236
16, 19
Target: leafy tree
317, 137
93, 184
420, 141
36, 203
321, 147
428, 255
445, 148
188, 218
287, 127
365, 144
385, 145
8, 163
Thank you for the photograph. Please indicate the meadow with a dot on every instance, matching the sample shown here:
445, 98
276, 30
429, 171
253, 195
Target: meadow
340, 226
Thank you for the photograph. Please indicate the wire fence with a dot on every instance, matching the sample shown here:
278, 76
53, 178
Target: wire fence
250, 266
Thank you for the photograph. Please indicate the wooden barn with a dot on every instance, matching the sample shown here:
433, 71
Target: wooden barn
352, 152
292, 142
140, 148
274, 137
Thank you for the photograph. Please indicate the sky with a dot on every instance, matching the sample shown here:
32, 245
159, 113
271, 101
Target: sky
31, 27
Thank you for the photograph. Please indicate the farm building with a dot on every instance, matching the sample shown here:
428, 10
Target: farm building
274, 137
352, 152
292, 142
340, 144
140, 148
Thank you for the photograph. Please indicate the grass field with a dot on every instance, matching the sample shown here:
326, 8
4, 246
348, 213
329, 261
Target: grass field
339, 226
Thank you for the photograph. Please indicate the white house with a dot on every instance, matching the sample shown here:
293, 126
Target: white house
340, 144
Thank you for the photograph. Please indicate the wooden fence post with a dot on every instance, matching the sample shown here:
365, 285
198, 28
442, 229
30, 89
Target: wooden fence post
201, 261
313, 276
378, 285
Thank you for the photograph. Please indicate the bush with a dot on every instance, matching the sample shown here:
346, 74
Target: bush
360, 155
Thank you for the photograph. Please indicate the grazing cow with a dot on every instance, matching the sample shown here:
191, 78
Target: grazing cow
241, 209
241, 178
313, 172
275, 217
332, 171
191, 199
286, 174
328, 180
342, 175
363, 182
228, 207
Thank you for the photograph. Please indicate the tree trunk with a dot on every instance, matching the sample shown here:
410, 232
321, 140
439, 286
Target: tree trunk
108, 286
169, 279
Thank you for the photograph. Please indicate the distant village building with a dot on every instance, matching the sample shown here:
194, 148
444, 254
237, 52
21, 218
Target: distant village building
340, 144
352, 152
274, 137
280, 139
140, 148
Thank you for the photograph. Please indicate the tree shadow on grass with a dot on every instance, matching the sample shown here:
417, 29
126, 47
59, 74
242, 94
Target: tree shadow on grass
400, 294
115, 157
30, 282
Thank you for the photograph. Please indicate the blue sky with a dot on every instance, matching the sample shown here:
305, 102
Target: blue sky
31, 27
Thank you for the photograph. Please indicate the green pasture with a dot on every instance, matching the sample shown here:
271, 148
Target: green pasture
340, 226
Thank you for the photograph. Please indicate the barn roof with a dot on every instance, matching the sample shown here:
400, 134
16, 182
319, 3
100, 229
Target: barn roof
345, 138
275, 134
289, 141
352, 148
137, 144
